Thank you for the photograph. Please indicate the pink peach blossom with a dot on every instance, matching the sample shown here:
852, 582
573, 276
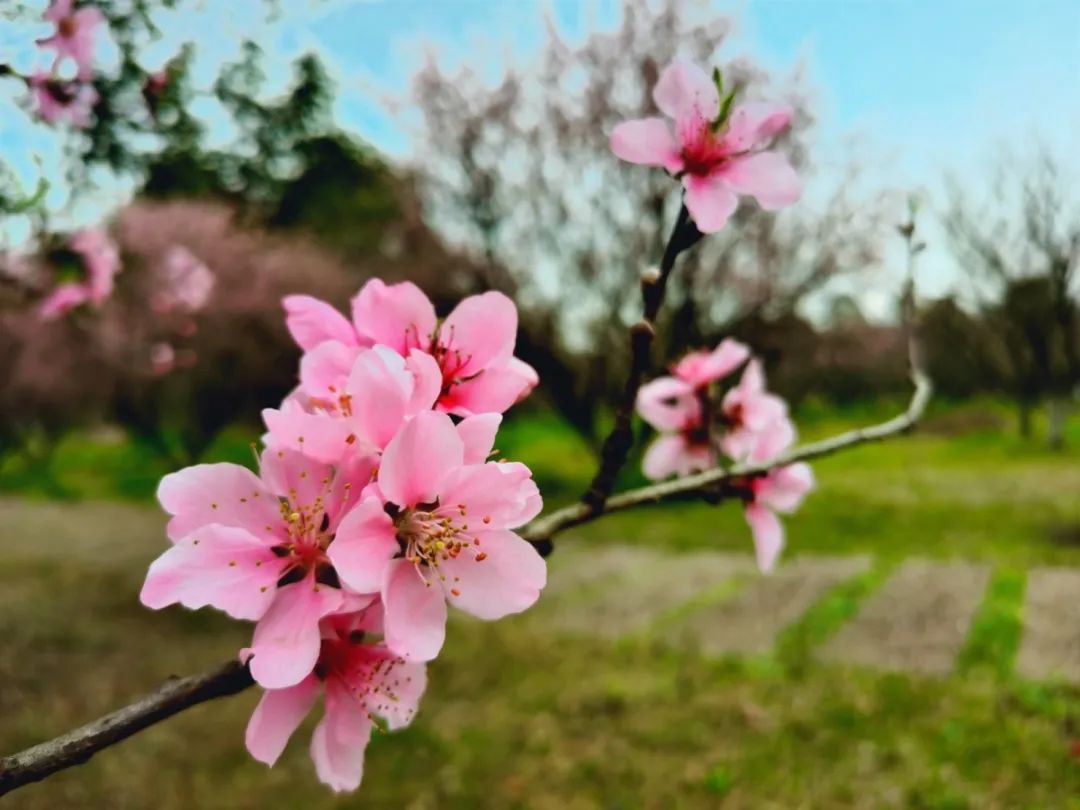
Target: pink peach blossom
62, 102
63, 299
715, 164
436, 529
473, 347
345, 409
101, 261
755, 420
162, 358
185, 282
74, 35
256, 547
781, 490
360, 679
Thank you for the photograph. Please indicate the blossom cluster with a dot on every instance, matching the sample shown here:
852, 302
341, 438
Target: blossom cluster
701, 429
374, 508
97, 261
60, 100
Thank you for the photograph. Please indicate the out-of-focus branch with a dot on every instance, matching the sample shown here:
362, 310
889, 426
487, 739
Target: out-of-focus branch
617, 445
76, 747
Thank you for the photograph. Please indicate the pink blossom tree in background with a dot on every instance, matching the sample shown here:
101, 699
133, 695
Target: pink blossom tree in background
380, 501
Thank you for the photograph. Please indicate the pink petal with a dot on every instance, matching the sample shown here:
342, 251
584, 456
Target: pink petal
477, 434
783, 489
322, 437
671, 455
685, 92
427, 381
647, 142
768, 535
482, 329
702, 368
225, 567
286, 643
668, 403
64, 297
325, 368
754, 124
766, 176
403, 682
363, 546
380, 387
339, 741
294, 475
710, 201
311, 322
526, 372
773, 440
493, 390
399, 315
279, 713
419, 457
508, 580
492, 495
415, 618
227, 494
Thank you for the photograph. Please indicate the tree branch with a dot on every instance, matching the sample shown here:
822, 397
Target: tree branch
76, 747
621, 438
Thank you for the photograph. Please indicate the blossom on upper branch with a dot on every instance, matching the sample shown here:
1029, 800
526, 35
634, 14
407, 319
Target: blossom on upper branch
473, 347
716, 154
74, 34
57, 101
99, 262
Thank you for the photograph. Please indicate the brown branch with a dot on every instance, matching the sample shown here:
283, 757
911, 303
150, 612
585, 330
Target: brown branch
76, 747
617, 445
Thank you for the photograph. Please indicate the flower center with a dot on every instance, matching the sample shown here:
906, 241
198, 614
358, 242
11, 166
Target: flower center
430, 535
703, 151
308, 538
67, 27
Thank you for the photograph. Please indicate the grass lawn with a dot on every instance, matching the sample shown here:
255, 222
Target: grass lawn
515, 717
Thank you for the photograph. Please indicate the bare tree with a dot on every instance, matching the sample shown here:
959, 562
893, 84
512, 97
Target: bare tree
520, 173
1022, 246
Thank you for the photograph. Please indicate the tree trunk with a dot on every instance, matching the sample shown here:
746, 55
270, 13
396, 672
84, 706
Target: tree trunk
1057, 415
1023, 413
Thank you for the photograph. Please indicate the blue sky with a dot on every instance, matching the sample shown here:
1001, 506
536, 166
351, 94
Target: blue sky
925, 87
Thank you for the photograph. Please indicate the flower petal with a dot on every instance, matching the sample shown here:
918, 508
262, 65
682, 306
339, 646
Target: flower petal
668, 403
295, 475
784, 488
477, 434
482, 330
363, 546
684, 91
754, 124
397, 315
418, 458
493, 390
325, 368
279, 713
710, 201
703, 368
286, 642
311, 322
768, 535
222, 566
647, 142
227, 494
766, 176
672, 455
415, 618
507, 578
491, 495
380, 388
339, 741
322, 437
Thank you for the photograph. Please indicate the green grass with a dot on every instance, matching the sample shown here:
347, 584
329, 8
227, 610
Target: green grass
516, 717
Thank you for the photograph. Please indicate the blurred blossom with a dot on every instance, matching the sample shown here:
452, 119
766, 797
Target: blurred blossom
57, 101
74, 35
162, 358
186, 282
62, 300
101, 261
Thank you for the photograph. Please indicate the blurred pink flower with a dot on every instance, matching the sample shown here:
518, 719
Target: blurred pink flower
256, 547
359, 680
437, 528
57, 101
185, 282
473, 347
680, 408
756, 421
162, 358
715, 164
101, 260
62, 300
74, 35
781, 490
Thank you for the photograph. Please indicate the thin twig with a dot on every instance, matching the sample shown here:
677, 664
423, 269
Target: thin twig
617, 445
